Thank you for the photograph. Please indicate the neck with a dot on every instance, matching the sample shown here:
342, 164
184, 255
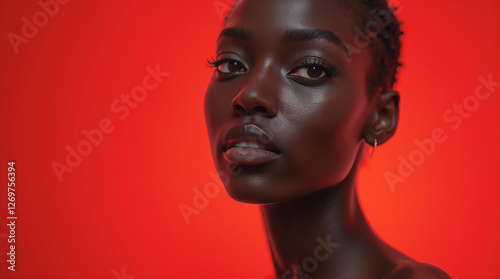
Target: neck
319, 235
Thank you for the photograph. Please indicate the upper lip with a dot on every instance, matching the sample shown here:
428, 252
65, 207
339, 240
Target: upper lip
249, 134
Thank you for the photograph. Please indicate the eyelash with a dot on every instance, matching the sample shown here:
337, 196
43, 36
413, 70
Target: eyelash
330, 71
213, 63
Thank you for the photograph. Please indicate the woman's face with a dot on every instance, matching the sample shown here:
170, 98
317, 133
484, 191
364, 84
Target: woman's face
286, 106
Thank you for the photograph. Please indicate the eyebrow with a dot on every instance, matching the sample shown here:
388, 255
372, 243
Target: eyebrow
236, 33
304, 35
290, 36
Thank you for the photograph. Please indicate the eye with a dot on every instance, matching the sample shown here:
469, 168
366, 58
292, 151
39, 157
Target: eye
313, 70
228, 66
310, 72
231, 66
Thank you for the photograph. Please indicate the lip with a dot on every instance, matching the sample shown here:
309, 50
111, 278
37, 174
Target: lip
249, 145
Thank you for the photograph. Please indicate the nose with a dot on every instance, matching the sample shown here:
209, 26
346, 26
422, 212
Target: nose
257, 97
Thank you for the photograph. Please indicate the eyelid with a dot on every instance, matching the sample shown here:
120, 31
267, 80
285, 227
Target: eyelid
231, 56
315, 61
330, 71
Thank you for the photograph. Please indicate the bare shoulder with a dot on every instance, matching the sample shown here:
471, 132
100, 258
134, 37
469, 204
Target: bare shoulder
416, 270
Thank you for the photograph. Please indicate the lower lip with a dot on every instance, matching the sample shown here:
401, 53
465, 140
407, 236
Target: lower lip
249, 156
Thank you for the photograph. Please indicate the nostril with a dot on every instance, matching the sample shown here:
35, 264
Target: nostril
260, 109
239, 107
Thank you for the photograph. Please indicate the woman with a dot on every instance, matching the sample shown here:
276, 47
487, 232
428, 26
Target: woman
300, 86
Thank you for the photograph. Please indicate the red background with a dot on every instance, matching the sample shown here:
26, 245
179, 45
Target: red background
116, 215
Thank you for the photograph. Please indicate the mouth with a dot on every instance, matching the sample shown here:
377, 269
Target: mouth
249, 145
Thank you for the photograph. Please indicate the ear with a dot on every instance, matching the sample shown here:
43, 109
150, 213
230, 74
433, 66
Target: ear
383, 119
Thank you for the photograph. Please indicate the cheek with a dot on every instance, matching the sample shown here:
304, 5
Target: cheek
217, 108
328, 135
214, 118
213, 104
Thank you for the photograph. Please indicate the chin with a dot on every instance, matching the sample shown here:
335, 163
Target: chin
257, 190
251, 196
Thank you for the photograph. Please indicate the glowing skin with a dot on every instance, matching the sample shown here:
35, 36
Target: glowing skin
290, 109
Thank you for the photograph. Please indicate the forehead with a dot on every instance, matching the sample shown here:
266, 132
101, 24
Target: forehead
275, 16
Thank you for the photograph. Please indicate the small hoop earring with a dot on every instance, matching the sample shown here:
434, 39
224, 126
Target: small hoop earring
374, 146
